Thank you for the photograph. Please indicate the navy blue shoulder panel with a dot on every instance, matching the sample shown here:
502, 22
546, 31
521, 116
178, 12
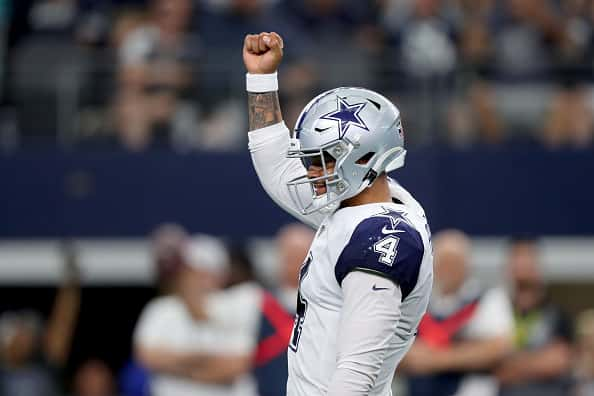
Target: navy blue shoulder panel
385, 245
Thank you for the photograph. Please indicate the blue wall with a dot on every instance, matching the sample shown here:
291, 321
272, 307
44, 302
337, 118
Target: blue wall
483, 191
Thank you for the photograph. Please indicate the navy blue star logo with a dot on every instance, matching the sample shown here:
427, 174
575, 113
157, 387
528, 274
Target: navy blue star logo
346, 115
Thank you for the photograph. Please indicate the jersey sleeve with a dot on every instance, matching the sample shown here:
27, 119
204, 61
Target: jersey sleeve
368, 324
384, 245
268, 147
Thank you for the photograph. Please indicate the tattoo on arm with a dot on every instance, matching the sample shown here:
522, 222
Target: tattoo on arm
264, 109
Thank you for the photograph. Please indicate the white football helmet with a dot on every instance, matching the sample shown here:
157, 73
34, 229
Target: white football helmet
358, 129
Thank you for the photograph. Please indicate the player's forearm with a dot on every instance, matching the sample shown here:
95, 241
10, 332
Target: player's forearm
262, 54
222, 369
548, 362
61, 325
268, 148
264, 110
350, 381
473, 355
162, 360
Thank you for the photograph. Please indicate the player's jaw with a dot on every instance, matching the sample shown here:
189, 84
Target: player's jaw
317, 171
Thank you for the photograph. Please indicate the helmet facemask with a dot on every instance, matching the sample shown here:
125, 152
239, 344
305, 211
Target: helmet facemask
336, 185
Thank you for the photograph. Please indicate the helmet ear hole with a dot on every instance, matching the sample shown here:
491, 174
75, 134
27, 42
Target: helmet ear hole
365, 158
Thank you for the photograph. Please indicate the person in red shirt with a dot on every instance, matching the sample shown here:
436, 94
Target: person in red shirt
466, 332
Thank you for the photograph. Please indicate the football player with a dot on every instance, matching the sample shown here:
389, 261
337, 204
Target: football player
367, 278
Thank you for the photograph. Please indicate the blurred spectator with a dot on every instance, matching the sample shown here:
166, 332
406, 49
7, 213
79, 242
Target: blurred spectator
199, 341
168, 242
466, 332
167, 92
22, 372
475, 45
157, 63
134, 380
293, 242
270, 365
241, 269
540, 366
341, 36
475, 41
579, 47
570, 121
53, 15
585, 358
474, 118
426, 40
419, 59
47, 67
525, 39
126, 22
32, 353
94, 378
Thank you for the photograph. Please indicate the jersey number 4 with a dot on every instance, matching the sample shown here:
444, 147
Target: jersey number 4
387, 249
301, 307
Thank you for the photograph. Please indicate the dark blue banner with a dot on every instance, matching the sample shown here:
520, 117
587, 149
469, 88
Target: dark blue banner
483, 191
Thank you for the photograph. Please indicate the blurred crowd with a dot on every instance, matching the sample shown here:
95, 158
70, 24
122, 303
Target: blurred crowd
137, 74
216, 327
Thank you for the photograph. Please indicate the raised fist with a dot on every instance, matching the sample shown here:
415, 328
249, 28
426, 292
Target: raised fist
262, 53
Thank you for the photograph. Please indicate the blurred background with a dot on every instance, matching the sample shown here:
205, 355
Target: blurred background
140, 256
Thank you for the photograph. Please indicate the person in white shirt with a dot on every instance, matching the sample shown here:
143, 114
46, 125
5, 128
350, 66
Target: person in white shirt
199, 340
467, 330
366, 281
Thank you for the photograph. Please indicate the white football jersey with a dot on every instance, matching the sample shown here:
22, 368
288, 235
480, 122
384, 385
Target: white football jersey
390, 240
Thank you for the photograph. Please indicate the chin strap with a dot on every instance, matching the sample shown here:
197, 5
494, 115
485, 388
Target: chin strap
370, 177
